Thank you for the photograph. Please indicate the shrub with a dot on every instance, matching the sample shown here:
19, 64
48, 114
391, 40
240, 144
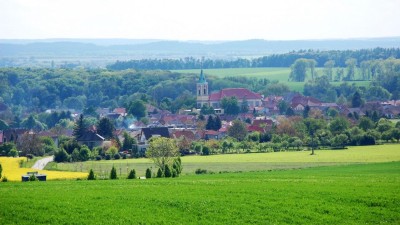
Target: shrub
98, 157
61, 156
167, 171
159, 173
91, 175
205, 150
124, 156
200, 171
174, 173
4, 179
117, 156
1, 170
148, 173
132, 174
29, 156
13, 153
113, 174
33, 178
108, 157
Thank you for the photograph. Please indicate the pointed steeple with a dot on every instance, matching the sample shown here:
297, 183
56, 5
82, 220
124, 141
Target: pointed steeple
202, 78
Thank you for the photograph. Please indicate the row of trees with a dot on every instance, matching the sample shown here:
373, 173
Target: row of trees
276, 60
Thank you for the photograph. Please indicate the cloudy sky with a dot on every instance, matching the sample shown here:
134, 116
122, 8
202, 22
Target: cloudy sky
199, 19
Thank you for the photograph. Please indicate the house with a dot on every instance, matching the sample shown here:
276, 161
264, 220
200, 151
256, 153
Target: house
148, 133
49, 134
187, 134
12, 135
120, 111
299, 102
212, 134
91, 139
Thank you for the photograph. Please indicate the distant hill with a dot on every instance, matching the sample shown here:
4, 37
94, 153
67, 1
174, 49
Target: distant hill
109, 50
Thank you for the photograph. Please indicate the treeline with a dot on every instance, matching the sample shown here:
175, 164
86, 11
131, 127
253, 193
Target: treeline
275, 60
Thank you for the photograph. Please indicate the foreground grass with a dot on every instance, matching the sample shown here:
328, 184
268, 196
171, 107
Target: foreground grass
280, 74
352, 194
246, 162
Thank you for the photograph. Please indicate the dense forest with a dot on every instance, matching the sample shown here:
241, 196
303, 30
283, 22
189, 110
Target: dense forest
275, 60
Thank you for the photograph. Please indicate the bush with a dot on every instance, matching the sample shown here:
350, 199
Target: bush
174, 173
108, 157
367, 139
61, 156
13, 153
200, 171
91, 175
29, 156
98, 157
148, 173
4, 179
159, 173
33, 178
113, 174
205, 150
1, 170
117, 156
132, 174
124, 156
167, 171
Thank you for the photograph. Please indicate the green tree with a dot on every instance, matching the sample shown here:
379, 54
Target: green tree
339, 140
230, 105
105, 128
129, 142
366, 123
328, 69
132, 174
356, 100
148, 173
80, 127
338, 125
137, 108
3, 125
244, 106
312, 125
61, 156
159, 173
210, 123
351, 68
84, 153
283, 106
168, 172
298, 70
238, 130
312, 63
91, 175
162, 151
1, 170
113, 173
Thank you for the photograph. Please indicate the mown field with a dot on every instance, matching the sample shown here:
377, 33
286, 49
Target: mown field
347, 194
246, 162
280, 74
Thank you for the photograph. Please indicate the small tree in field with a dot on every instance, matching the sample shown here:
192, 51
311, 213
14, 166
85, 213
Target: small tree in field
113, 174
132, 174
91, 175
167, 171
1, 170
162, 151
148, 173
159, 173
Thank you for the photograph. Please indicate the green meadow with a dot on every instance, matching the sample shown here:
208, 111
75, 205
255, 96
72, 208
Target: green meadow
341, 194
245, 162
280, 74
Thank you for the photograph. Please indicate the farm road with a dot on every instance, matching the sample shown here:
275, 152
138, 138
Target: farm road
41, 163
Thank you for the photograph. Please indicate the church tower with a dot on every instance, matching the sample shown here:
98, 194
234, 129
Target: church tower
202, 91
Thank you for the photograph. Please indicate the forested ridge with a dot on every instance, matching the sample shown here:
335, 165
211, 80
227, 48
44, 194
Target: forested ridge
275, 60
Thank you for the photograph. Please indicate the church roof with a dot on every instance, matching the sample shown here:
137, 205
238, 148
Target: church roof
239, 93
202, 78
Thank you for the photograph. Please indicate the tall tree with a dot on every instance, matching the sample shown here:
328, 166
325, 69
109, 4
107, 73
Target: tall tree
162, 151
138, 109
80, 127
312, 125
351, 68
298, 70
356, 100
230, 105
105, 127
311, 64
210, 123
244, 106
238, 130
328, 69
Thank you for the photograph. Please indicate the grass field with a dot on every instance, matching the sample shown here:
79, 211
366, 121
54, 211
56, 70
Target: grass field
351, 194
246, 162
280, 74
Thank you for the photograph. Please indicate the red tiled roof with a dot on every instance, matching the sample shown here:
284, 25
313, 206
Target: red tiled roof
253, 128
239, 93
258, 123
120, 110
186, 133
211, 132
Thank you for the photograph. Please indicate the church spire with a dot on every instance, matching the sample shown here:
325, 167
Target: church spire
202, 78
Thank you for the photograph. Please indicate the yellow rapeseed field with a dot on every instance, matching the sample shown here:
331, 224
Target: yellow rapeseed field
13, 172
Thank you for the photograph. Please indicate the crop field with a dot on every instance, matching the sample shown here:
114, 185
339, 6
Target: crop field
345, 194
13, 172
246, 162
280, 74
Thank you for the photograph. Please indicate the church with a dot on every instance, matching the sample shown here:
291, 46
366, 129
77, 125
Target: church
214, 99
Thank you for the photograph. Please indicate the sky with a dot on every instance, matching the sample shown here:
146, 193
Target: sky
199, 19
